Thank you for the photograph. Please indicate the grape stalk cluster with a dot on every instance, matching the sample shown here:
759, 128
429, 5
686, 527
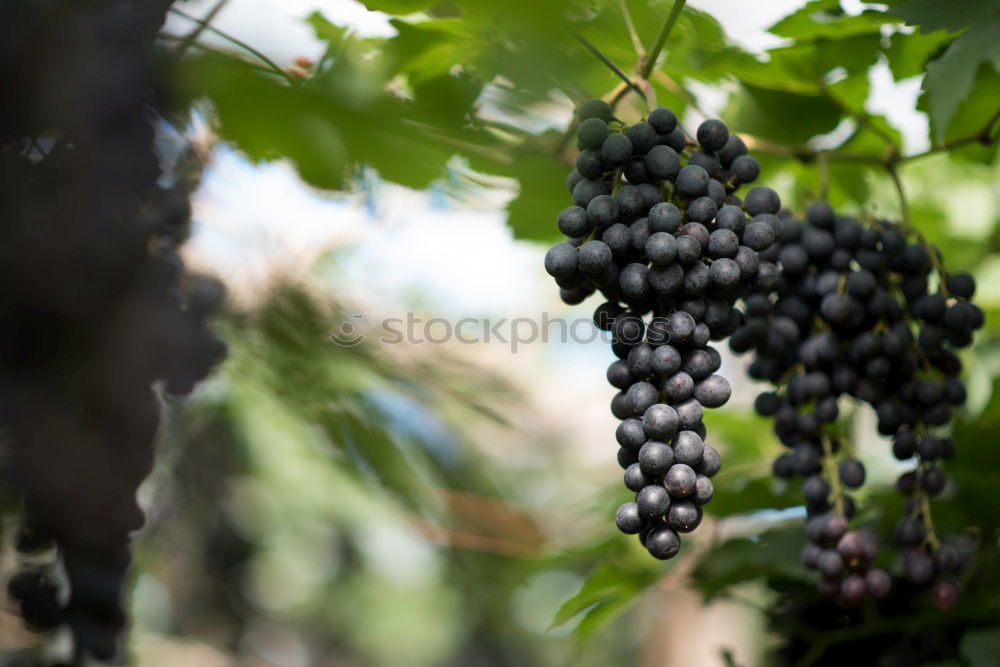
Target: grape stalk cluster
655, 227
863, 309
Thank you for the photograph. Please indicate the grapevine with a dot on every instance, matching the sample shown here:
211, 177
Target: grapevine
831, 307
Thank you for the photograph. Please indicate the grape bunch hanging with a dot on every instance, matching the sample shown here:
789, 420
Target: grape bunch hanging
103, 320
862, 309
830, 307
656, 229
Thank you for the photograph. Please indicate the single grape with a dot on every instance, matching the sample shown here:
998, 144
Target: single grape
592, 132
628, 519
663, 120
595, 109
662, 163
692, 181
616, 149
713, 135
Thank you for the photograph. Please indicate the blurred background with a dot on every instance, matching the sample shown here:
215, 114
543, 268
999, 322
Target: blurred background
415, 503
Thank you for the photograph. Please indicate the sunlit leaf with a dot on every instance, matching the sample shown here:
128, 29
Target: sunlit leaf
825, 18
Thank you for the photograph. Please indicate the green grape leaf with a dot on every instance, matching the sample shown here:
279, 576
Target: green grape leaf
431, 48
950, 15
737, 493
824, 18
908, 53
950, 78
851, 91
325, 30
977, 111
781, 116
774, 553
623, 575
543, 194
981, 647
406, 141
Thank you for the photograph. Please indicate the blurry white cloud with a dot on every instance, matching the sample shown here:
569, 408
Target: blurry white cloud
252, 221
745, 22
277, 28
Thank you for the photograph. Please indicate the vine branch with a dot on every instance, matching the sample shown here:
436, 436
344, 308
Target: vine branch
985, 136
862, 119
238, 42
824, 176
904, 205
833, 477
925, 511
648, 61
633, 34
608, 63
189, 39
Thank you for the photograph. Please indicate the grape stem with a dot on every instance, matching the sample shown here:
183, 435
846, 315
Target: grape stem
806, 154
617, 182
240, 43
607, 63
832, 476
925, 512
862, 119
824, 175
208, 49
913, 230
904, 205
648, 61
633, 34
189, 39
670, 84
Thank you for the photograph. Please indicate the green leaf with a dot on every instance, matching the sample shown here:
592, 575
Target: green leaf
432, 48
908, 53
610, 588
781, 116
325, 30
949, 78
543, 194
815, 60
774, 553
825, 18
325, 132
977, 471
979, 108
398, 6
599, 586
949, 15
865, 140
802, 67
852, 90
738, 493
981, 647
281, 122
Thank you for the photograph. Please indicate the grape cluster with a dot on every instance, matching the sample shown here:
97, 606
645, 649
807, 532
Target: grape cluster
845, 560
100, 317
865, 310
656, 229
